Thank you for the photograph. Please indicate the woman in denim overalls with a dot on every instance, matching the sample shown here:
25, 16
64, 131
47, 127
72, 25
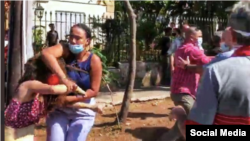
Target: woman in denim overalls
68, 124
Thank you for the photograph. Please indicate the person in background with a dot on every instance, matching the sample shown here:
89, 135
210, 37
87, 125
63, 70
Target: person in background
175, 44
228, 45
185, 83
216, 46
200, 40
172, 25
184, 27
69, 124
67, 37
52, 36
165, 44
223, 95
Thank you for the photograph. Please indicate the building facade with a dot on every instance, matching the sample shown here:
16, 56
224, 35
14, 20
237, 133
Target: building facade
65, 13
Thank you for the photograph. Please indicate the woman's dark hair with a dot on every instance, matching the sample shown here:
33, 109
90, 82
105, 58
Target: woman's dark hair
178, 31
216, 39
167, 30
36, 69
85, 28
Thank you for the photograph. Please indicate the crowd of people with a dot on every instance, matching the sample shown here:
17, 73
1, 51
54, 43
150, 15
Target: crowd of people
221, 96
62, 81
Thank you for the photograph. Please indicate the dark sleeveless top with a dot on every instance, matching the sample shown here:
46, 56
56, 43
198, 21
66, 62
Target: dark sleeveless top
82, 80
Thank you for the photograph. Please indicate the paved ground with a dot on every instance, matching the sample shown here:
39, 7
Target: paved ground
143, 94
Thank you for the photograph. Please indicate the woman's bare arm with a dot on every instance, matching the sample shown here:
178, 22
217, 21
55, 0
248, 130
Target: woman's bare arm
172, 63
81, 105
50, 55
95, 76
35, 86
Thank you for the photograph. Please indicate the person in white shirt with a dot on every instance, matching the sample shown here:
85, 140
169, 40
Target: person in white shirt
200, 40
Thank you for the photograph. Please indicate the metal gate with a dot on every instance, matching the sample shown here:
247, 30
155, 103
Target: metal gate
62, 20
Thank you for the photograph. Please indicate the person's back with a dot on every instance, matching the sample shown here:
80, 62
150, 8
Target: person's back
232, 99
234, 90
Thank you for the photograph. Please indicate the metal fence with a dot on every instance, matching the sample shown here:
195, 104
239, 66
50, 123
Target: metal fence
112, 35
63, 20
207, 25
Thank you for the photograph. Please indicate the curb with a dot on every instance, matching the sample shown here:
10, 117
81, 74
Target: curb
117, 98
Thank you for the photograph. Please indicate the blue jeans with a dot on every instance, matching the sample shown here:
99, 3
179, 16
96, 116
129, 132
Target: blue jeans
64, 127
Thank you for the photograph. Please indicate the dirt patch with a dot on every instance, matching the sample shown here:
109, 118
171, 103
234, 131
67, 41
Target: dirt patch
146, 122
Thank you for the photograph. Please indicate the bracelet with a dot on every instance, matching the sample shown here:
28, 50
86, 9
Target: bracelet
62, 78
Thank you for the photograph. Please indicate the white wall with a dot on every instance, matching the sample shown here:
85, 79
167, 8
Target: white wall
27, 50
91, 9
67, 6
79, 1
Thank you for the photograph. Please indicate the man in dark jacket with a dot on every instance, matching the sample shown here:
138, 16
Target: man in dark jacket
165, 44
52, 36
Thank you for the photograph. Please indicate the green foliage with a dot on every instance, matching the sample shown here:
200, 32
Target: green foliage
148, 25
107, 76
117, 32
152, 17
38, 41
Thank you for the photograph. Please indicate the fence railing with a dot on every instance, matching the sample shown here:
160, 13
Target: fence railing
112, 35
207, 25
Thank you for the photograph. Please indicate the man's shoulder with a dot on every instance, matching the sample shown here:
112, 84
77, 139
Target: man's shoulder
232, 63
185, 47
226, 54
52, 31
223, 56
191, 49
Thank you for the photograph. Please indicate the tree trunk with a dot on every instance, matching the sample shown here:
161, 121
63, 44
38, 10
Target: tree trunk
132, 64
14, 67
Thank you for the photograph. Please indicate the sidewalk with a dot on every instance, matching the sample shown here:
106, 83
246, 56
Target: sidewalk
143, 94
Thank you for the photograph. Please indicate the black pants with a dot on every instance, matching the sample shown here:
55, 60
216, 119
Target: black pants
165, 70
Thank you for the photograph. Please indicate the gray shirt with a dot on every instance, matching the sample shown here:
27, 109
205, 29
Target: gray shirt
225, 89
175, 44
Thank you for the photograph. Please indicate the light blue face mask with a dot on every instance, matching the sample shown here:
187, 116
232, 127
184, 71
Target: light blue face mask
199, 42
76, 49
224, 47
